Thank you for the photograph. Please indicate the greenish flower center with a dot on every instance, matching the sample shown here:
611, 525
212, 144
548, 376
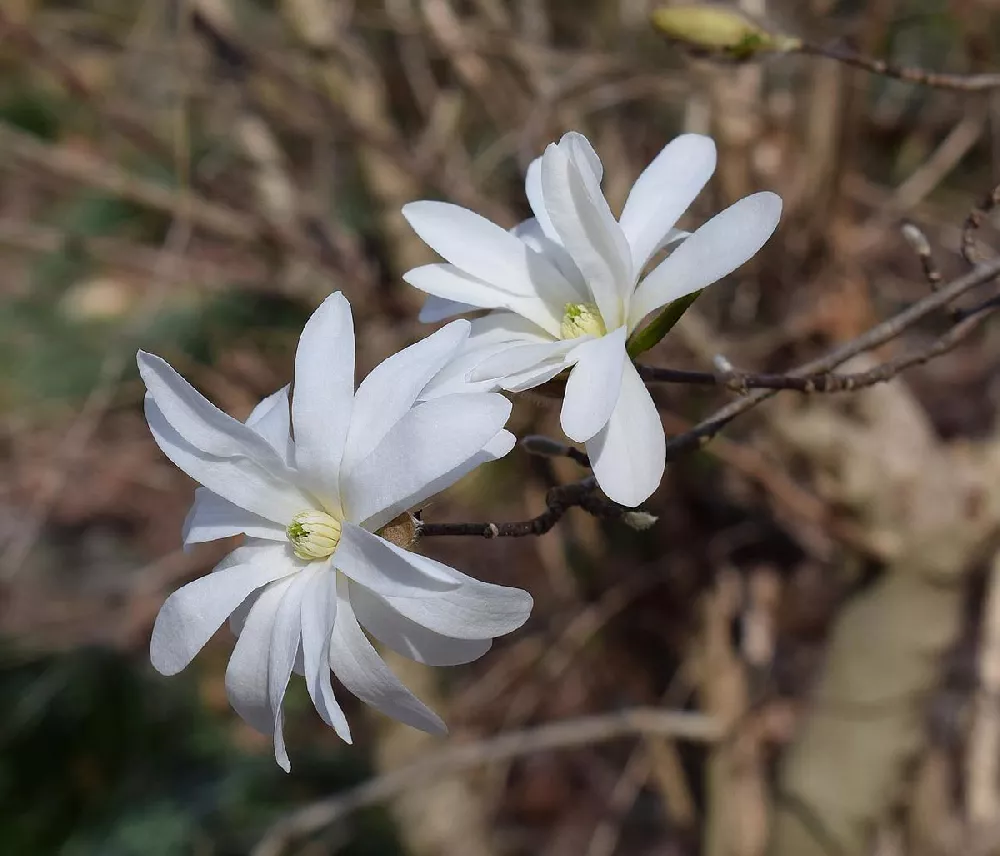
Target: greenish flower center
314, 535
582, 319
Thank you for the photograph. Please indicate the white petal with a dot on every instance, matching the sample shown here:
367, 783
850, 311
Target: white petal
663, 192
319, 610
360, 669
239, 479
272, 420
530, 231
430, 440
386, 568
213, 517
437, 309
285, 635
447, 281
192, 614
629, 453
522, 358
409, 638
199, 422
246, 675
471, 610
725, 242
482, 249
589, 232
536, 199
593, 386
533, 377
390, 390
323, 395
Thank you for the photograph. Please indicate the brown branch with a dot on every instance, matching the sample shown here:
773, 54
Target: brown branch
823, 382
584, 731
560, 499
938, 80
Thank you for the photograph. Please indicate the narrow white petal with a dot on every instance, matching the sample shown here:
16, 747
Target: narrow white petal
588, 230
663, 192
593, 386
246, 675
725, 242
629, 453
286, 631
192, 614
390, 390
522, 358
212, 517
361, 670
450, 283
319, 610
482, 249
536, 199
533, 377
385, 568
324, 394
530, 231
471, 610
272, 420
199, 422
239, 479
429, 441
408, 638
437, 309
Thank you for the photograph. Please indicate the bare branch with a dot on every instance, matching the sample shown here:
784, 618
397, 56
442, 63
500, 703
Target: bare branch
584, 731
582, 494
938, 80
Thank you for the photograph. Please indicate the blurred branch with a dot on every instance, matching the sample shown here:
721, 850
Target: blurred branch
584, 731
88, 169
876, 336
938, 80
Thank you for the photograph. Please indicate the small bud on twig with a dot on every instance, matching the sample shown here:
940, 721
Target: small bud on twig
719, 30
639, 520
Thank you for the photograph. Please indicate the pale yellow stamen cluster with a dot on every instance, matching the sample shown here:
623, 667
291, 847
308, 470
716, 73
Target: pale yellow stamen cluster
582, 319
314, 535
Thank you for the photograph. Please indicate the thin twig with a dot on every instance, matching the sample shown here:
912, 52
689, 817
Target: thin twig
557, 735
938, 80
560, 499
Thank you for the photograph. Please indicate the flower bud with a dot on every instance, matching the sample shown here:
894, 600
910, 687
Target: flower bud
314, 534
716, 29
639, 520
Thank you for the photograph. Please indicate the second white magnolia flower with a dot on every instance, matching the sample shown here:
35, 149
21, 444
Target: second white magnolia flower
567, 290
310, 485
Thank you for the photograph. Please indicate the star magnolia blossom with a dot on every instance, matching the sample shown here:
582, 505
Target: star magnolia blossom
567, 290
310, 484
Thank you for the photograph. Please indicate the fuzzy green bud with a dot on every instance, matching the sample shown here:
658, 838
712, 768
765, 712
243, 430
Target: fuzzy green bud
716, 29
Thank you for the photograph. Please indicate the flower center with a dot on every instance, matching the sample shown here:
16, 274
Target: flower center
314, 534
582, 319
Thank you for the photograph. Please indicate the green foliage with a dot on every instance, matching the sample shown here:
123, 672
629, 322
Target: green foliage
99, 755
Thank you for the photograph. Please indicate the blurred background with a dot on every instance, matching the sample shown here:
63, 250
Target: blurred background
194, 176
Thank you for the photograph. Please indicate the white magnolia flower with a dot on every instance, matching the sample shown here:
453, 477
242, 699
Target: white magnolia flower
310, 484
567, 290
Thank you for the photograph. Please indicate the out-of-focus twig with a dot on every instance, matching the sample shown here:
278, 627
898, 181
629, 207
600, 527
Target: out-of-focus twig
936, 79
584, 731
974, 221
